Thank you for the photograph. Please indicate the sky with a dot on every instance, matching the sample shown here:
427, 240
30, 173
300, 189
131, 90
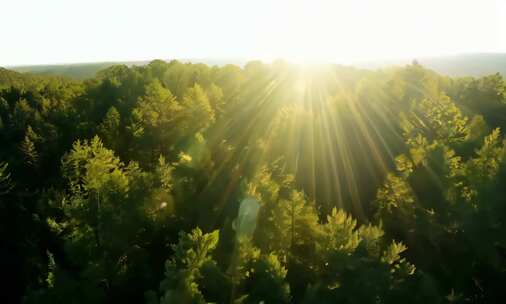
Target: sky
72, 31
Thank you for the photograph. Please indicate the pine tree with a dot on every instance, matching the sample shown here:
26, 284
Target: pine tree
5, 179
28, 148
109, 128
183, 270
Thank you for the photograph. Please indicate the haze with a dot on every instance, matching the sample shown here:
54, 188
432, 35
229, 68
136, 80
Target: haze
57, 31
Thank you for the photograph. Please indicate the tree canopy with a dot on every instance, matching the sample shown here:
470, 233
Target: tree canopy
175, 182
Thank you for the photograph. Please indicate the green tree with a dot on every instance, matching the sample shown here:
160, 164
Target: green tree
5, 179
28, 148
197, 110
183, 270
156, 120
109, 128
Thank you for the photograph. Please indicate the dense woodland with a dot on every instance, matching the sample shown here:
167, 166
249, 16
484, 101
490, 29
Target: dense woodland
463, 65
268, 183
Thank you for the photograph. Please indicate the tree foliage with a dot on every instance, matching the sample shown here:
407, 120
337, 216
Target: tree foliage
175, 182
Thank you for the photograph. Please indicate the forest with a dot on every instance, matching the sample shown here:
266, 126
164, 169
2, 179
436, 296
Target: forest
178, 182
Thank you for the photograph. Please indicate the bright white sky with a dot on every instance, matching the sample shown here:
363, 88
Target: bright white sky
66, 31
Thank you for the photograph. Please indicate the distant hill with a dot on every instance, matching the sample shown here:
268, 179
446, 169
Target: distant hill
88, 70
457, 65
76, 71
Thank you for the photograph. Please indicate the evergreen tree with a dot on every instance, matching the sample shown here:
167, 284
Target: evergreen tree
5, 179
183, 271
28, 148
